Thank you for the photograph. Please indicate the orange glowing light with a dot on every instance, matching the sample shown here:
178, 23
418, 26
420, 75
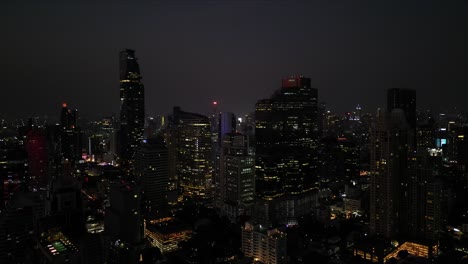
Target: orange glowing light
215, 103
64, 105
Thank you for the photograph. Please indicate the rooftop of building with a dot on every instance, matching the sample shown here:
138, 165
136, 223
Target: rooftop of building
167, 225
56, 243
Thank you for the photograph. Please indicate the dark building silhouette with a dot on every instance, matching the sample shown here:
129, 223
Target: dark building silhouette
132, 107
339, 162
70, 134
64, 202
286, 139
405, 99
152, 172
124, 223
390, 174
36, 148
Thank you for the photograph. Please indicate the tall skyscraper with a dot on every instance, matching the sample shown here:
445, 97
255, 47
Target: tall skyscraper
191, 152
390, 174
237, 181
132, 106
405, 99
152, 172
36, 148
70, 134
286, 139
227, 124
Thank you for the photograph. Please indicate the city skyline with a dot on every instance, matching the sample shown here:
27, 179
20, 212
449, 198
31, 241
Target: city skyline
231, 52
234, 131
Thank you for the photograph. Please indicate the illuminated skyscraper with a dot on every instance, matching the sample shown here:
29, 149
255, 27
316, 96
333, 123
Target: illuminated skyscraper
237, 181
286, 139
191, 152
132, 106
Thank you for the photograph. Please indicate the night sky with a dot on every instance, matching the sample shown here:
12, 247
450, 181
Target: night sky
235, 52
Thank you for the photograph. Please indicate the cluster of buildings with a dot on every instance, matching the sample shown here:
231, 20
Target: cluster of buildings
109, 191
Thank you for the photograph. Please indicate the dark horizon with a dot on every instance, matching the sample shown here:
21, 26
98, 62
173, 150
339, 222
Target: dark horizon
234, 52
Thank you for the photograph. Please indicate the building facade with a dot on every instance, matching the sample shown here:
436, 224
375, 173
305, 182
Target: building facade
191, 153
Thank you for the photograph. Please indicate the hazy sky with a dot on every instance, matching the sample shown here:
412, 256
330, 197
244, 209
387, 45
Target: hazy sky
235, 52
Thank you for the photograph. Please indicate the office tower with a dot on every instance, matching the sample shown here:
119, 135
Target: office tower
430, 198
247, 126
339, 162
264, 245
152, 173
36, 148
286, 139
132, 107
70, 134
124, 224
405, 99
390, 174
191, 152
426, 136
101, 140
226, 124
321, 118
237, 175
154, 125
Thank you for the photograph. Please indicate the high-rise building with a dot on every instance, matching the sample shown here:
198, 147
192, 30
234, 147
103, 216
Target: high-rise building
14, 165
152, 172
237, 181
264, 245
405, 99
286, 139
191, 152
132, 106
70, 134
64, 202
226, 125
390, 173
124, 223
36, 148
